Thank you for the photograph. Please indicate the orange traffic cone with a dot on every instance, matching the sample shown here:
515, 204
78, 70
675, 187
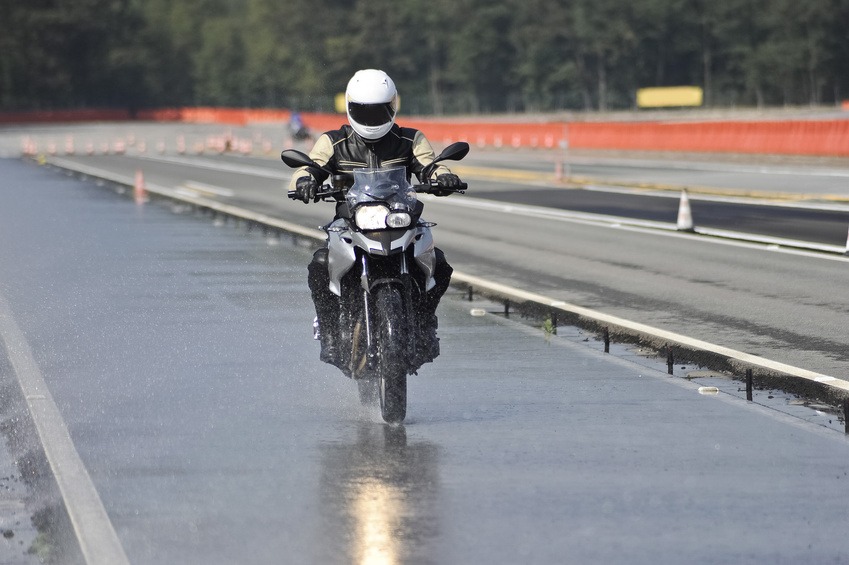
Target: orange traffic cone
139, 190
685, 216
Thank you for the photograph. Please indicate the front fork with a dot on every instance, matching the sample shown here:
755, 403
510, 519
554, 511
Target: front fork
367, 287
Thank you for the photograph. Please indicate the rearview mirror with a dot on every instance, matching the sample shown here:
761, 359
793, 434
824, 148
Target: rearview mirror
453, 152
294, 158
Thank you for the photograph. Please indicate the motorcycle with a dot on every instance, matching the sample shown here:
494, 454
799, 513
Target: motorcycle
381, 260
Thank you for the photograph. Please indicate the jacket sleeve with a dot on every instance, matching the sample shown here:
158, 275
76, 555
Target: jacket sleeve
321, 153
424, 154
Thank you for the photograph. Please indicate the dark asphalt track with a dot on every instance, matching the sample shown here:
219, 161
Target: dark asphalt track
805, 224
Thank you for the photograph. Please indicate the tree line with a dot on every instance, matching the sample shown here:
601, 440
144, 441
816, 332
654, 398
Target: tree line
446, 56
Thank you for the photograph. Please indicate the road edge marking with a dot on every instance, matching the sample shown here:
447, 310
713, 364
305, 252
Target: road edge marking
94, 531
637, 328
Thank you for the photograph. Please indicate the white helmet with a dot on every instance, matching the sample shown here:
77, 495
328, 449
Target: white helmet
372, 102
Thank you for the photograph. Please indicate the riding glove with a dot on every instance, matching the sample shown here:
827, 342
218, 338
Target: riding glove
306, 189
448, 180
447, 183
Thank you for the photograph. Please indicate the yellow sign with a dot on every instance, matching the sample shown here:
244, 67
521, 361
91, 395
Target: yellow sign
340, 103
666, 96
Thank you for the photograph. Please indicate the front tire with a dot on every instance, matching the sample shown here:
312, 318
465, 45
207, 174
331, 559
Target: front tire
392, 337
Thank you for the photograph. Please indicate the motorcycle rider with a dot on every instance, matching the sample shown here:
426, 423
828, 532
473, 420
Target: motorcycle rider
370, 139
297, 127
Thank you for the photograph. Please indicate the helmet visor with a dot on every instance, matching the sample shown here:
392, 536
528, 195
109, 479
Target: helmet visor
372, 114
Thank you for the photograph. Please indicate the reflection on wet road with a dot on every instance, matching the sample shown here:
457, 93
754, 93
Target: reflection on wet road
380, 497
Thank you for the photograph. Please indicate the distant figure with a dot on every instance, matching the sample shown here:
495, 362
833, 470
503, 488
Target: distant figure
297, 128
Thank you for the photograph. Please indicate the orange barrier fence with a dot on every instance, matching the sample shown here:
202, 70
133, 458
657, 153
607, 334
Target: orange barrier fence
481, 134
232, 116
827, 137
801, 137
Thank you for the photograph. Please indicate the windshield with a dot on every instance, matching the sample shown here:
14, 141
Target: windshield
388, 185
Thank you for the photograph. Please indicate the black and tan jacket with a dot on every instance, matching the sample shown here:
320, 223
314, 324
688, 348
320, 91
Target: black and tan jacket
342, 151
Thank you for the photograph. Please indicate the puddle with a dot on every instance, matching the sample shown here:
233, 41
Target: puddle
809, 410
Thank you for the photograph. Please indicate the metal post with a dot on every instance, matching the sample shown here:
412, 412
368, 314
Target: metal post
670, 359
554, 323
846, 415
506, 308
471, 293
606, 340
748, 384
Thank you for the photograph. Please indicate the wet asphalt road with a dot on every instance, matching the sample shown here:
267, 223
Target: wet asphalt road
776, 305
180, 355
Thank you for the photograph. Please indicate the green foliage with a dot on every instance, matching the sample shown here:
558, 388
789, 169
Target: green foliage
447, 56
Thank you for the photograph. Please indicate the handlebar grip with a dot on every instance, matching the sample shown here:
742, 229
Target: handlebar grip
330, 192
433, 188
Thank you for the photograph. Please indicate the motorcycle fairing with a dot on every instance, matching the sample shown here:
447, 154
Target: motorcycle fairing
425, 254
343, 242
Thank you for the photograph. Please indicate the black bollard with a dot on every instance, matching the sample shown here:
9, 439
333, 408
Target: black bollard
506, 308
606, 340
670, 359
471, 294
748, 384
846, 416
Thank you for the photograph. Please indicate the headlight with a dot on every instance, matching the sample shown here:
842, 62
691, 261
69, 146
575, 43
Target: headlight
371, 217
398, 220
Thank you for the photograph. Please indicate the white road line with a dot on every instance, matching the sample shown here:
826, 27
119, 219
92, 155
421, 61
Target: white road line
724, 237
806, 204
208, 189
525, 296
94, 531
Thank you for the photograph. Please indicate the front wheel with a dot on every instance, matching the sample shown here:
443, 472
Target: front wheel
392, 337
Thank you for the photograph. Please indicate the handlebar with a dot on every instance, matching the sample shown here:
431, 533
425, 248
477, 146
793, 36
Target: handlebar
436, 190
338, 183
432, 187
324, 192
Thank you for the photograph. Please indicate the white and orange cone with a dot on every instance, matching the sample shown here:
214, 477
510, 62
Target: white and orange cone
139, 190
685, 215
